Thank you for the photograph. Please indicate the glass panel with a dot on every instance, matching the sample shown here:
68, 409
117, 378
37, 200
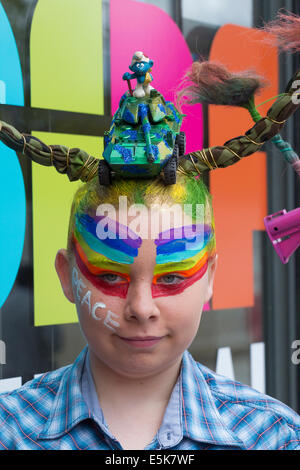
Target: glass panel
166, 5
217, 12
229, 340
223, 334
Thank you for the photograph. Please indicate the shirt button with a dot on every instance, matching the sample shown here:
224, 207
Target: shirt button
169, 436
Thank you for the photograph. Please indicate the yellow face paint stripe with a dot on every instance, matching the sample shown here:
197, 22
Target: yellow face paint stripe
180, 265
185, 273
95, 260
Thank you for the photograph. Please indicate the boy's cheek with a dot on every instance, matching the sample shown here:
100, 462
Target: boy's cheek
90, 309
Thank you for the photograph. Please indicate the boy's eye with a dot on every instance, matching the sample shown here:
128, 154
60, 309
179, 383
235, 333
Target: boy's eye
112, 278
169, 279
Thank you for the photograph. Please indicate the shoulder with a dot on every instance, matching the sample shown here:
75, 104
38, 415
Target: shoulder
256, 418
44, 386
24, 411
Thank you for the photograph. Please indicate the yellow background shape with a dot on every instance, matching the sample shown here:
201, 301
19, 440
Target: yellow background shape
52, 195
66, 73
66, 59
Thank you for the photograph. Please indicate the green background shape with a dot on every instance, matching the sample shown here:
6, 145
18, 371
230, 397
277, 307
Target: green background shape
66, 75
52, 195
66, 56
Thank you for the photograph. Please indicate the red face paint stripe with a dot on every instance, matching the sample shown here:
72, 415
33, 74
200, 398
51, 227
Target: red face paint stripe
120, 289
185, 273
90, 267
160, 290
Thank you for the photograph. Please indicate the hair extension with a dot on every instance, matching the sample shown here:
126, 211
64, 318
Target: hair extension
210, 82
235, 149
285, 32
76, 163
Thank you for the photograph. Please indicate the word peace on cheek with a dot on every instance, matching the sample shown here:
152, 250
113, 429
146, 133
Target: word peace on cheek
85, 298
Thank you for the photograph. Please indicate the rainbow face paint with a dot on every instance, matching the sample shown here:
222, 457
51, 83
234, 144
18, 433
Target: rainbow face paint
118, 289
160, 289
181, 243
184, 258
102, 247
118, 242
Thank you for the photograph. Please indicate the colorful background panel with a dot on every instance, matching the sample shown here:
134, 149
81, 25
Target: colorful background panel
12, 196
239, 192
66, 74
66, 56
164, 43
51, 202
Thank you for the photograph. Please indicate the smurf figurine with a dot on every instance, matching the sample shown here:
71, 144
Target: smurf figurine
141, 68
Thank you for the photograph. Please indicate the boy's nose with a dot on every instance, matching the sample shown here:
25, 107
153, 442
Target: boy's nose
140, 305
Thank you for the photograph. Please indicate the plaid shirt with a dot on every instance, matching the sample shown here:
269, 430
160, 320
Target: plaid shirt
50, 412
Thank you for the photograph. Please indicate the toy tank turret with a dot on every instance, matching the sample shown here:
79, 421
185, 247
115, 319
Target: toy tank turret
144, 138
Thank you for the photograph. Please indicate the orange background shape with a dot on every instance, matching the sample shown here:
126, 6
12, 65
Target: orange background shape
240, 191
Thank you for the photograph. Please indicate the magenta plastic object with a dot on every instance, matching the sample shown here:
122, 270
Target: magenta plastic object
283, 229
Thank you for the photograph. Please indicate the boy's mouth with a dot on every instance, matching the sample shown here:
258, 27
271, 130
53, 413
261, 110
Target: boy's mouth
142, 341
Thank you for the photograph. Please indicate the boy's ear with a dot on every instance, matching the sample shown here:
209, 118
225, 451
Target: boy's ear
62, 266
212, 266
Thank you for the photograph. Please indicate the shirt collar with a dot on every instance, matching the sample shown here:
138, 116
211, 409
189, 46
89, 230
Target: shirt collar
69, 407
201, 419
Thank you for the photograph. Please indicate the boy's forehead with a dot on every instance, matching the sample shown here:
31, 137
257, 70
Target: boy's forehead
154, 223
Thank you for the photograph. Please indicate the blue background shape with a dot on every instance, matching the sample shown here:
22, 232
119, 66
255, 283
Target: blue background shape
12, 191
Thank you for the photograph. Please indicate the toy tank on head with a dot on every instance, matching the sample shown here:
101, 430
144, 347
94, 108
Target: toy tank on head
144, 138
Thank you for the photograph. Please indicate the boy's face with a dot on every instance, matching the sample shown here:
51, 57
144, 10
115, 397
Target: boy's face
138, 317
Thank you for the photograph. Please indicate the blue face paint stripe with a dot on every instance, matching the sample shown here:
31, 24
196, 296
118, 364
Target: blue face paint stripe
175, 257
179, 246
184, 244
99, 247
125, 245
190, 232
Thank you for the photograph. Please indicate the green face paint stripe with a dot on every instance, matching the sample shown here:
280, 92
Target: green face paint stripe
181, 265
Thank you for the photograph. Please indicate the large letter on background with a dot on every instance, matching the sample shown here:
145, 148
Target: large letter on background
66, 74
137, 26
239, 192
12, 191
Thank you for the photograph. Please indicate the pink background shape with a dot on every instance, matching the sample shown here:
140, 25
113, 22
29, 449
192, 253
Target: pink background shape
142, 27
136, 26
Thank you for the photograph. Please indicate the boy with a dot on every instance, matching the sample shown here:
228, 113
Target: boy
139, 295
